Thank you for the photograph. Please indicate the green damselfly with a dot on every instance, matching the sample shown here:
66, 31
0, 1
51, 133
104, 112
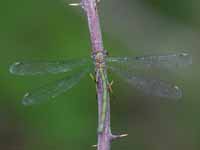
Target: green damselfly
149, 85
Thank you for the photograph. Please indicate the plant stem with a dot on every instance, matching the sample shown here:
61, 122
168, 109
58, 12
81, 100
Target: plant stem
90, 7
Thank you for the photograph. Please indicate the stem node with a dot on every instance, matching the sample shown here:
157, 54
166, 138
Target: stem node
113, 137
75, 4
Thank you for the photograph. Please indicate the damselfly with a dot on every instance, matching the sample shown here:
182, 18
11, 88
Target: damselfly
152, 86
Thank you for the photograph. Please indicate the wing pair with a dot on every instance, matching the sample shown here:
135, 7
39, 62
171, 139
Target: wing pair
149, 86
55, 88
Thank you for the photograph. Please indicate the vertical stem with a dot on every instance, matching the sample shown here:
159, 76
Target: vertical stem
90, 7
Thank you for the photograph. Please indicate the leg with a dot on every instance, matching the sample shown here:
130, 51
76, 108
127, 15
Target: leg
110, 86
92, 77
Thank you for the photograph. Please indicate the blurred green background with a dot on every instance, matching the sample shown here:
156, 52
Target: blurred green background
51, 30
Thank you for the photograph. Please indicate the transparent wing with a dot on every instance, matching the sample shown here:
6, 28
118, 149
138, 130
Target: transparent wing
53, 89
150, 86
170, 61
44, 67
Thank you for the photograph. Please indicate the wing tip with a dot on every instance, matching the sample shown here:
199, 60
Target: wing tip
13, 69
174, 94
27, 101
178, 92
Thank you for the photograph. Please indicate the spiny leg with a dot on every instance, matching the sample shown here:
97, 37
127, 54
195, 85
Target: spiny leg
92, 77
110, 86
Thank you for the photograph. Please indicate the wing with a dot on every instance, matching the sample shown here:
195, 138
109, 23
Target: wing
150, 86
170, 61
44, 67
53, 89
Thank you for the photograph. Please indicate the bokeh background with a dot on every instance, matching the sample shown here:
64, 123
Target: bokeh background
51, 30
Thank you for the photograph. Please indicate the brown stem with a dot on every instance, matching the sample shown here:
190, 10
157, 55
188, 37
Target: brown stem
90, 7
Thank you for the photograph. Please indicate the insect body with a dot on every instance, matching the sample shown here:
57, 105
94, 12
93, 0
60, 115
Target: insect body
101, 76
